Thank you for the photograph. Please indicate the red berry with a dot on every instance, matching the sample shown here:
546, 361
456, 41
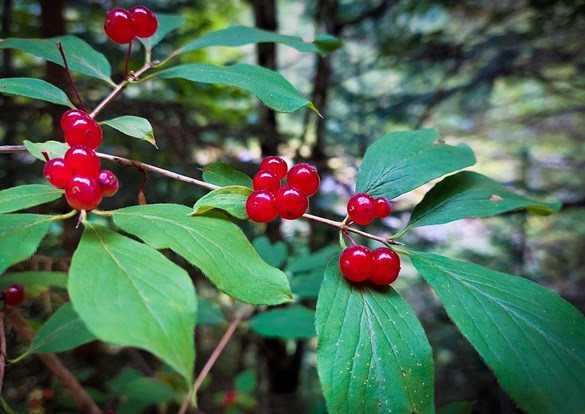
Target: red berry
82, 160
360, 208
382, 207
275, 164
356, 263
386, 266
229, 398
291, 203
57, 172
83, 193
120, 26
266, 180
83, 131
70, 116
108, 182
261, 206
305, 178
146, 22
14, 295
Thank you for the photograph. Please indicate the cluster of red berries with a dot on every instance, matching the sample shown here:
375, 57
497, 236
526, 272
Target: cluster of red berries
290, 202
362, 208
13, 295
123, 26
358, 264
79, 170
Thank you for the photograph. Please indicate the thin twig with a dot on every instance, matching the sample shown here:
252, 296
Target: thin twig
215, 354
127, 61
54, 364
60, 47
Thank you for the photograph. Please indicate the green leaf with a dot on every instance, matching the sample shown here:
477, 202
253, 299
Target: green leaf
55, 149
35, 283
530, 337
462, 407
25, 196
63, 331
272, 253
243, 35
133, 126
129, 294
144, 392
469, 194
270, 87
213, 244
246, 381
81, 57
166, 24
36, 89
208, 313
225, 175
307, 285
373, 355
292, 322
20, 236
402, 161
230, 199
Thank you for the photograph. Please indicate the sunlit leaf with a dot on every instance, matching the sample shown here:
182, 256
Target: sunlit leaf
81, 57
36, 89
230, 199
270, 87
25, 196
54, 149
212, 243
530, 337
134, 126
372, 355
402, 161
130, 294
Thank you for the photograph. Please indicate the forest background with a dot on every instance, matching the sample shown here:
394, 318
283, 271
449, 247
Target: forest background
505, 77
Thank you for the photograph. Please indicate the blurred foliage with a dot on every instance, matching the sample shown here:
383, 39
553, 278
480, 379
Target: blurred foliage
505, 77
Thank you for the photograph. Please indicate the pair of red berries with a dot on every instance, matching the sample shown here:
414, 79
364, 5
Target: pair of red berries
290, 202
358, 264
13, 295
123, 26
362, 208
79, 171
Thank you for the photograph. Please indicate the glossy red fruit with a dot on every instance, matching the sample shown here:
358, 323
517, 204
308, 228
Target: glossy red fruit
57, 172
145, 20
382, 207
275, 164
229, 398
120, 26
356, 263
261, 206
266, 180
386, 266
360, 208
69, 117
291, 203
83, 160
83, 192
108, 182
84, 131
14, 295
305, 178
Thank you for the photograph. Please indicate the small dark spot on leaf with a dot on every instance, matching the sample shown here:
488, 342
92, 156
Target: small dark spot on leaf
495, 197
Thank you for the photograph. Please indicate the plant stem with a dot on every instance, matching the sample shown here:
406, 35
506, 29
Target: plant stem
216, 353
60, 47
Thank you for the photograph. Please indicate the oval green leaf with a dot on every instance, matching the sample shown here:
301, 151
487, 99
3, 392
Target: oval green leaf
208, 312
272, 253
292, 322
213, 244
372, 355
81, 57
225, 175
230, 199
35, 283
20, 236
166, 24
25, 196
63, 331
130, 294
244, 35
133, 126
55, 149
270, 87
402, 161
469, 194
36, 89
530, 337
